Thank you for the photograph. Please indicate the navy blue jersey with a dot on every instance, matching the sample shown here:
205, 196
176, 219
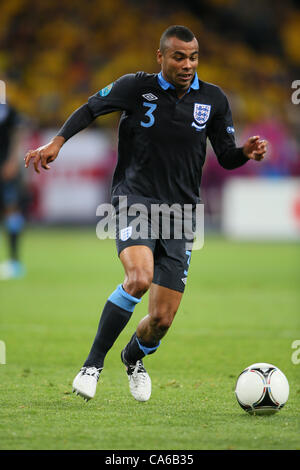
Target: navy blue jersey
162, 139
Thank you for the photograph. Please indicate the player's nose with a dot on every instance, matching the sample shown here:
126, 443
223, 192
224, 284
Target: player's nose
187, 65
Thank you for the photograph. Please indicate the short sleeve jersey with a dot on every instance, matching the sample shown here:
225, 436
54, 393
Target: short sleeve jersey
162, 139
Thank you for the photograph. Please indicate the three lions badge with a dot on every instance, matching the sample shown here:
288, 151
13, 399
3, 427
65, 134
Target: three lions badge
201, 115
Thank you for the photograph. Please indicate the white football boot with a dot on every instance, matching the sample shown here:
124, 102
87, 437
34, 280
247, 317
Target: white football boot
85, 382
11, 269
139, 380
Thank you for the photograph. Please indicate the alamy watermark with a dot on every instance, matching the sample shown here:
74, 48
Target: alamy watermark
2, 92
296, 94
296, 354
2, 352
153, 221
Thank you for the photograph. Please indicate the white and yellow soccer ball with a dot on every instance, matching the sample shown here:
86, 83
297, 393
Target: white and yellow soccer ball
262, 389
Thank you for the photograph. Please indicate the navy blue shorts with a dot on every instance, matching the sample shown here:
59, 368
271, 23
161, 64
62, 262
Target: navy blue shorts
10, 193
171, 256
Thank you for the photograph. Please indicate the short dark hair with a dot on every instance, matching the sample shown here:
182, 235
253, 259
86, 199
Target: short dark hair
180, 32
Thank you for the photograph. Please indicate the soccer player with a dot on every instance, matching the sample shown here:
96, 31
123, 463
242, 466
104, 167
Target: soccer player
167, 118
11, 132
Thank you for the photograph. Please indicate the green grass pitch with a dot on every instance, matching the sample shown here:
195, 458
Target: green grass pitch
241, 306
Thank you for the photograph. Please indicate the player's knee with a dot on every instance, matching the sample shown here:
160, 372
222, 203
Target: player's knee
138, 282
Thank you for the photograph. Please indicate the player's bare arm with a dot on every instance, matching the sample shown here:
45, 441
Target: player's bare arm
255, 148
45, 154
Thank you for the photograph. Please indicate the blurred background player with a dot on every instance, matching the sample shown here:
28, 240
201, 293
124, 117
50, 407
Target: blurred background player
12, 219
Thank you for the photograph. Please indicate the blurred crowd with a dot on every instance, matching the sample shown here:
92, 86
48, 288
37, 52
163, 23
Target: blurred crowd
54, 54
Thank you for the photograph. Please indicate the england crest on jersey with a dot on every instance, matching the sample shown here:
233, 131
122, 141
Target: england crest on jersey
125, 233
201, 112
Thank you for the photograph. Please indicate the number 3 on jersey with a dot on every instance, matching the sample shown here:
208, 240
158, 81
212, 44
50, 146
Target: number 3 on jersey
149, 114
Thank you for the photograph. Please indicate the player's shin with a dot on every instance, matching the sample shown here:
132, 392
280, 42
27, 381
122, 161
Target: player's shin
115, 316
14, 224
136, 349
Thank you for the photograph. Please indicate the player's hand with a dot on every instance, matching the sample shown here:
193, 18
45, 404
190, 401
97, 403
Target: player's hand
255, 148
45, 154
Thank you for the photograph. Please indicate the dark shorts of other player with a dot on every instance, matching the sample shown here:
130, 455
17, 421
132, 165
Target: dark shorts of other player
171, 256
11, 193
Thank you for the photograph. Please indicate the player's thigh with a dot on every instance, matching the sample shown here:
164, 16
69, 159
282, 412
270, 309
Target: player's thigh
137, 257
138, 263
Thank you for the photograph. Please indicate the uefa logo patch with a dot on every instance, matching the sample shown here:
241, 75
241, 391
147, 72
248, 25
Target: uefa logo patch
201, 112
106, 90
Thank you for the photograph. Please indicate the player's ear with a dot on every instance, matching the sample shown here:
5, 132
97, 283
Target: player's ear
159, 57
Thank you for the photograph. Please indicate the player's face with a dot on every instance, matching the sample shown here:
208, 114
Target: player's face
179, 62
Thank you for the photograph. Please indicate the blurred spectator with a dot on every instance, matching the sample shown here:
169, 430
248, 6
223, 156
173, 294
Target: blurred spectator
77, 49
283, 154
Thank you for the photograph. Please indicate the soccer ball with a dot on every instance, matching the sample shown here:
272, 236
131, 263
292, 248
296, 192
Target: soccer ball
262, 389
